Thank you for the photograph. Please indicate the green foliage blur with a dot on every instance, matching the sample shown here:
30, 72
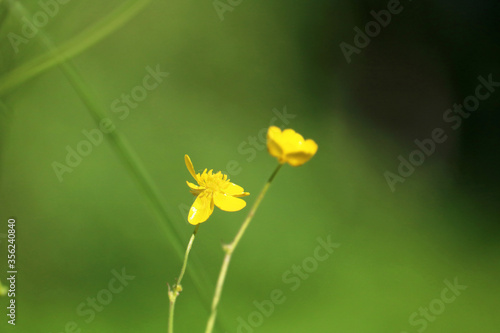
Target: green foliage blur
229, 79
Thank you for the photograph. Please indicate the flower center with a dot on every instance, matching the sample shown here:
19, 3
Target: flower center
213, 182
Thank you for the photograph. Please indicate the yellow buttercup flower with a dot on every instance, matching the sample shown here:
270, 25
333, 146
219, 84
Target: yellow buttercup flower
290, 147
212, 189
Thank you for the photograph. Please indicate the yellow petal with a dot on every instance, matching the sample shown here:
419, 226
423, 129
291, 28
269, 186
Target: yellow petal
228, 203
273, 139
291, 136
195, 189
273, 132
310, 146
189, 166
193, 186
233, 189
290, 141
303, 153
297, 159
289, 146
201, 209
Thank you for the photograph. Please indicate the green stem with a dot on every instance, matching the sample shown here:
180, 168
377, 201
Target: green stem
177, 288
121, 146
71, 48
171, 314
61, 56
229, 249
184, 264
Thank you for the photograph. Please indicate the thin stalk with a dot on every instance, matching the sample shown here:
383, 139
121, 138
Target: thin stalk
177, 288
122, 148
71, 48
171, 315
229, 249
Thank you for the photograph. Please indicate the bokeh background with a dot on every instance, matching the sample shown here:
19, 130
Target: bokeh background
124, 205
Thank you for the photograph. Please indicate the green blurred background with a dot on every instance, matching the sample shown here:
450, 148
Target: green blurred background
227, 80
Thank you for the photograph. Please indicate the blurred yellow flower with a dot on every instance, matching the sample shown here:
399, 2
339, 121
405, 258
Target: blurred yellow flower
212, 189
289, 146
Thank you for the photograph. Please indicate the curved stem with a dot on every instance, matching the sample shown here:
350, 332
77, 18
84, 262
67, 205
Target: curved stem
117, 140
177, 288
229, 249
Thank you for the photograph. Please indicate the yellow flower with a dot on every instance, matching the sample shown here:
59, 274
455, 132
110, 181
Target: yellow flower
289, 146
212, 189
